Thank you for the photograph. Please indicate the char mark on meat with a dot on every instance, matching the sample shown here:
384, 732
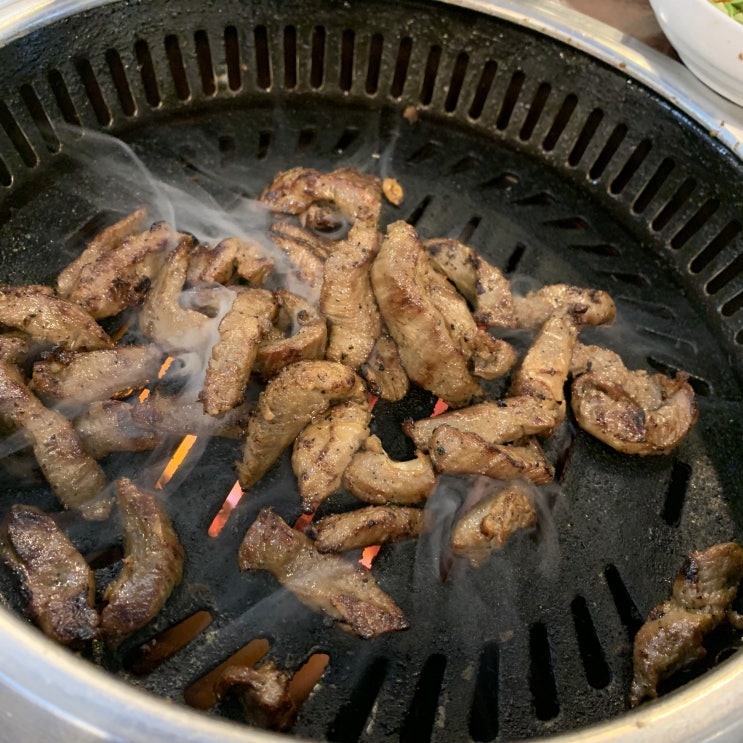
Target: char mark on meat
233, 257
587, 306
384, 372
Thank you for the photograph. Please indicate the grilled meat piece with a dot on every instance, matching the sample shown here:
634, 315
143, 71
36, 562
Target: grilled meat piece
302, 336
153, 564
302, 250
491, 522
375, 478
240, 332
587, 306
228, 259
59, 583
482, 285
497, 422
16, 347
324, 448
672, 636
35, 310
74, 475
95, 375
294, 397
457, 452
263, 693
363, 527
401, 280
120, 277
383, 370
344, 591
108, 426
632, 411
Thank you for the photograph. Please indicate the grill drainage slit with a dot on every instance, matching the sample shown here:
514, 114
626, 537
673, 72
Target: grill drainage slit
483, 722
469, 229
347, 138
702, 216
317, 60
177, 68
401, 67
121, 82
676, 495
535, 111
264, 144
204, 61
348, 40
538, 199
40, 118
515, 258
634, 161
586, 135
483, 89
561, 121
653, 186
603, 250
232, 58
592, 655
62, 97
732, 306
607, 153
541, 674
376, 47
715, 246
262, 59
147, 72
678, 199
725, 276
418, 724
93, 89
306, 139
700, 386
290, 57
628, 612
501, 182
457, 80
429, 75
510, 99
427, 151
419, 211
350, 721
17, 136
226, 144
466, 163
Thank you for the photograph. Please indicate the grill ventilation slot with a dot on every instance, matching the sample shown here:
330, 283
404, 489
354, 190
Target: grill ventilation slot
418, 725
457, 80
586, 135
177, 69
628, 612
93, 89
676, 495
483, 722
535, 111
483, 89
541, 674
40, 118
592, 655
317, 68
147, 71
290, 57
17, 137
121, 83
561, 121
376, 47
232, 58
510, 99
204, 59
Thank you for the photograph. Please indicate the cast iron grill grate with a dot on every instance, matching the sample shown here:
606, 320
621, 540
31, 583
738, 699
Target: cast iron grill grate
557, 168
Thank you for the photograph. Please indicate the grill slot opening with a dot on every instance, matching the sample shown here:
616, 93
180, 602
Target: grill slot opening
306, 678
418, 724
654, 185
676, 495
483, 89
634, 161
457, 80
732, 306
510, 99
262, 58
501, 182
562, 119
598, 673
402, 63
586, 135
147, 72
290, 57
226, 144
483, 719
317, 66
700, 218
426, 152
204, 60
232, 58
535, 111
715, 246
347, 52
514, 258
306, 139
430, 73
464, 164
347, 138
419, 211
728, 274
541, 674
177, 68
62, 96
607, 153
93, 89
17, 136
604, 250
265, 139
121, 82
40, 118
469, 229
542, 198
629, 614
679, 198
700, 386
374, 68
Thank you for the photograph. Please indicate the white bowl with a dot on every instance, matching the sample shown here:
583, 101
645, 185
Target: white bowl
708, 41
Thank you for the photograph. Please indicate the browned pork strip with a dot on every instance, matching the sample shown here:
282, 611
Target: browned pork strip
324, 448
73, 474
306, 267
632, 411
587, 306
671, 638
294, 397
59, 583
375, 478
36, 311
459, 453
384, 372
16, 347
108, 426
342, 590
153, 564
340, 532
231, 257
240, 332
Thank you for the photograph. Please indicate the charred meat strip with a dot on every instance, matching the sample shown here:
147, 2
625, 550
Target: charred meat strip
233, 355
95, 375
363, 527
74, 475
344, 591
672, 636
482, 285
491, 522
153, 564
231, 257
302, 251
36, 311
457, 452
383, 370
59, 583
587, 306
294, 397
108, 426
632, 411
323, 450
375, 478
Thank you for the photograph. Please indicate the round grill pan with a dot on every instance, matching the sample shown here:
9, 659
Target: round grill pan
556, 167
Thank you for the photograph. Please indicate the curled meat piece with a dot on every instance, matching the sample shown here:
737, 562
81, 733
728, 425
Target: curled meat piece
72, 473
153, 564
375, 478
671, 638
632, 411
16, 347
340, 532
240, 332
302, 336
497, 422
401, 278
302, 250
263, 693
108, 426
294, 397
383, 371
35, 310
587, 306
324, 448
482, 285
457, 452
120, 277
95, 375
59, 583
342, 590
231, 257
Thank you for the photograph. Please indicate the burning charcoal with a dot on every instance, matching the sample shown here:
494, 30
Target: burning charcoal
36, 311
671, 638
587, 306
230, 258
482, 285
456, 452
375, 478
401, 277
153, 564
58, 581
95, 375
231, 363
491, 522
632, 411
263, 693
109, 426
323, 450
497, 422
294, 397
344, 591
384, 372
363, 527
74, 475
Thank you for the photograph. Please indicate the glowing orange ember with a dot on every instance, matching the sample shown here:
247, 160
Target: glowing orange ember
368, 555
372, 400
233, 498
439, 408
176, 460
303, 521
119, 334
163, 369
